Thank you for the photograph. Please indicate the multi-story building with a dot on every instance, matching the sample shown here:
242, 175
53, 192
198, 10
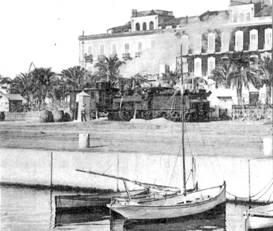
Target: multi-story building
155, 38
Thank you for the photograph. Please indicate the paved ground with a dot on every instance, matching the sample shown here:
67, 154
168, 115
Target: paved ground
159, 136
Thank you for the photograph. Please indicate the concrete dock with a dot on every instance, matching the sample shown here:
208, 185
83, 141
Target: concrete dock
146, 152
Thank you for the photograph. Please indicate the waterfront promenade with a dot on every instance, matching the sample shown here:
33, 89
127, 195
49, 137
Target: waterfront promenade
223, 138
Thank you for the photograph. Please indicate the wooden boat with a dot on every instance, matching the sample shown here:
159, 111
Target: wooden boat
93, 214
177, 205
212, 220
81, 202
172, 206
260, 217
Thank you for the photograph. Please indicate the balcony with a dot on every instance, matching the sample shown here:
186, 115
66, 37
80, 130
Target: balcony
101, 57
126, 56
88, 58
137, 54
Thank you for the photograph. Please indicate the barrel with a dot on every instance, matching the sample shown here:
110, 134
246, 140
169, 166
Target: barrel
58, 116
44, 116
2, 116
84, 141
67, 117
50, 117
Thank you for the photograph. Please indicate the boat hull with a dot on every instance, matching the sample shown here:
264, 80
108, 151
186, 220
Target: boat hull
169, 207
260, 217
258, 222
79, 203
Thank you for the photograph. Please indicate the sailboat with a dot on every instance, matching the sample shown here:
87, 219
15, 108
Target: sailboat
260, 217
172, 206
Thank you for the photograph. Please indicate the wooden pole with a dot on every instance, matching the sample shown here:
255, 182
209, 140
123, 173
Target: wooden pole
126, 188
249, 184
51, 170
183, 126
117, 172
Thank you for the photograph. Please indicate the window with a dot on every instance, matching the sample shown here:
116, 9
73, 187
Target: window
151, 26
253, 35
114, 49
153, 44
225, 42
197, 67
89, 50
197, 40
235, 17
211, 42
101, 49
137, 27
144, 26
185, 44
248, 17
127, 47
211, 64
239, 40
268, 39
139, 47
242, 17
185, 65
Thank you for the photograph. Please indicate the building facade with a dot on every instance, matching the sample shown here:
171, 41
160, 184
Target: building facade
201, 42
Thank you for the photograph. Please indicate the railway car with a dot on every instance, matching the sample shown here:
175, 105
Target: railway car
149, 103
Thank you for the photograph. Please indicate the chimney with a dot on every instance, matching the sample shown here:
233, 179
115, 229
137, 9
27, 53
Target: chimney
134, 13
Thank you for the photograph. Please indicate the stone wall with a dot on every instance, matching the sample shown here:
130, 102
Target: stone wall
248, 112
33, 167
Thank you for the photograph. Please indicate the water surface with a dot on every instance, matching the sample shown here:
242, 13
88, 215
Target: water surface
32, 209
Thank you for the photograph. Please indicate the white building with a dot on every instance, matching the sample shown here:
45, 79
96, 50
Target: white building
155, 38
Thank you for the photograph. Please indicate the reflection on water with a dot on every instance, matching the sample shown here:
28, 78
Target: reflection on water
29, 209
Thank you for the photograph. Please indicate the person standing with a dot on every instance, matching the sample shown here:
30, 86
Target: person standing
83, 113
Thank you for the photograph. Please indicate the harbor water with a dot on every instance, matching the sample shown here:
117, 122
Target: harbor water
33, 209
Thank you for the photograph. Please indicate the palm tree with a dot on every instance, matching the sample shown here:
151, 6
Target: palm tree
242, 74
266, 70
108, 69
42, 83
221, 73
237, 73
23, 84
75, 77
5, 81
59, 89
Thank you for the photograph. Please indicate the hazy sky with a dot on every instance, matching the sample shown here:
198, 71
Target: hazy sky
46, 32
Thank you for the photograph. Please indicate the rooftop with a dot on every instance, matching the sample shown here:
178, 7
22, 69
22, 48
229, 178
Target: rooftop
243, 2
136, 13
16, 97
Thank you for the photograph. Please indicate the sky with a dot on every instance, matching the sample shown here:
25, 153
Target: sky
46, 32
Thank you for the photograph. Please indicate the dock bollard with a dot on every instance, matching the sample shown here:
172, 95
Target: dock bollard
84, 141
267, 145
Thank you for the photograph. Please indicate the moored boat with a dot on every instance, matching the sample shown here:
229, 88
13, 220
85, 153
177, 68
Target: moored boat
172, 206
260, 217
80, 202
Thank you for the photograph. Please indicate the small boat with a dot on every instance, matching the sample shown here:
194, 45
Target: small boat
211, 220
81, 202
260, 217
93, 214
171, 206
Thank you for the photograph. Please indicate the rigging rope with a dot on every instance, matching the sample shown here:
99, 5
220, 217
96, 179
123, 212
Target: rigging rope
172, 173
268, 186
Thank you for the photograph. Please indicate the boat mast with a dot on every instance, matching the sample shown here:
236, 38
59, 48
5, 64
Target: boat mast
183, 125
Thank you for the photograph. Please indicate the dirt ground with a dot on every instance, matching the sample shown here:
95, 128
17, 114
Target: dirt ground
230, 138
